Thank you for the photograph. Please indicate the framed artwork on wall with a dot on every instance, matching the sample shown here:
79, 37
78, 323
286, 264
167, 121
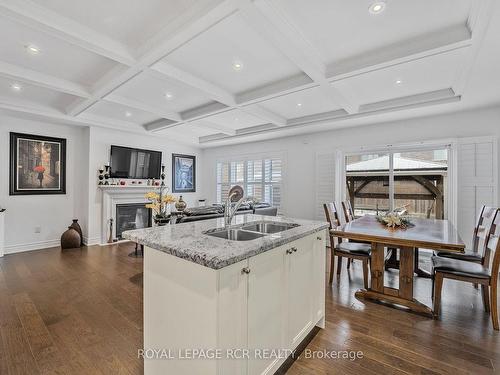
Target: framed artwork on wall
37, 165
183, 173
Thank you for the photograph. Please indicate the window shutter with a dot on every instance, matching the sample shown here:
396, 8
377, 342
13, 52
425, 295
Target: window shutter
325, 182
476, 182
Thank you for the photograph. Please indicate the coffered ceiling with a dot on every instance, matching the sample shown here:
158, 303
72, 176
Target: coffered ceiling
210, 72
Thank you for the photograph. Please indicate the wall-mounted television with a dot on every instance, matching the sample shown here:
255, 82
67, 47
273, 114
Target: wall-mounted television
127, 162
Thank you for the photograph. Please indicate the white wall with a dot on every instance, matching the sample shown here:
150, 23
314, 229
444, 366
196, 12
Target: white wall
52, 213
87, 149
100, 142
300, 151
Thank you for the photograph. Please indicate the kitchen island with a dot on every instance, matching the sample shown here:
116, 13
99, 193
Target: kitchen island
230, 302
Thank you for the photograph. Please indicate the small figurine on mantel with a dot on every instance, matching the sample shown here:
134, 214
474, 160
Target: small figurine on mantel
101, 175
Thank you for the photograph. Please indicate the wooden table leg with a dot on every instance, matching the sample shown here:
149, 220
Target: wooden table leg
406, 260
401, 297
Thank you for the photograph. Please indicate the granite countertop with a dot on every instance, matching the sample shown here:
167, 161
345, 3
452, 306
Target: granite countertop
188, 240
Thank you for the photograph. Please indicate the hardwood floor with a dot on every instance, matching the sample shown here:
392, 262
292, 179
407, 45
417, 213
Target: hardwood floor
80, 312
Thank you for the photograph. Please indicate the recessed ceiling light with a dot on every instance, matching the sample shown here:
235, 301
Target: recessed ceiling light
237, 65
299, 104
169, 95
16, 87
377, 7
128, 114
398, 82
34, 50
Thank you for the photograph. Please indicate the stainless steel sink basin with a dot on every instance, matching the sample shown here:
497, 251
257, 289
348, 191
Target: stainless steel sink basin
269, 227
235, 234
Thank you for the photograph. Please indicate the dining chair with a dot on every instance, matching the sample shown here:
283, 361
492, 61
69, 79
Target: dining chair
344, 249
483, 223
348, 211
480, 273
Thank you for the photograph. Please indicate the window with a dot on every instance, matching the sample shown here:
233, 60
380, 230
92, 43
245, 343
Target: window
261, 179
411, 181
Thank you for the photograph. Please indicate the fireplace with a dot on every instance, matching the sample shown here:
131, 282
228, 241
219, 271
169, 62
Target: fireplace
131, 216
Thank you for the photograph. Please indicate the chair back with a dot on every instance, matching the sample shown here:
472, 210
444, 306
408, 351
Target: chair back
332, 214
348, 211
492, 246
482, 229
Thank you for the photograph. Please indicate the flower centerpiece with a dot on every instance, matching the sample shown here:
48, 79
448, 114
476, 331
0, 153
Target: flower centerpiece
160, 202
393, 220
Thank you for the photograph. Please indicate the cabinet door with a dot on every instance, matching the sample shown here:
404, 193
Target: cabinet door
232, 317
319, 269
300, 282
266, 308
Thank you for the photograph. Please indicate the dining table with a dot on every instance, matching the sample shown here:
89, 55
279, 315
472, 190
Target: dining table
430, 234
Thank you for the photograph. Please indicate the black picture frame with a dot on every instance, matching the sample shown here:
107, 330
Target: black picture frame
181, 161
16, 164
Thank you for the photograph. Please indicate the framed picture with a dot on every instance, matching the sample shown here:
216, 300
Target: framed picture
183, 173
37, 165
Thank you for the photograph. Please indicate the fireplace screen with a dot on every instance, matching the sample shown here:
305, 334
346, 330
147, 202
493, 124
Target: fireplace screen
131, 216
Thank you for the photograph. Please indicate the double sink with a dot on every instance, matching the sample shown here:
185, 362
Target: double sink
251, 231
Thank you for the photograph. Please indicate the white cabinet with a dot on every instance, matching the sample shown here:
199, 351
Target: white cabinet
299, 290
266, 308
268, 302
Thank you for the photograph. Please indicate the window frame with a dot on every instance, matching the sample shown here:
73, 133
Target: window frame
451, 201
252, 157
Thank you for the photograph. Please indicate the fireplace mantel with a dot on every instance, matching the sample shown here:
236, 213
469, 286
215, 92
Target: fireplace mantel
118, 194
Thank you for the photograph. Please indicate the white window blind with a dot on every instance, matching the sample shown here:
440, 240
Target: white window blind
325, 182
261, 179
477, 181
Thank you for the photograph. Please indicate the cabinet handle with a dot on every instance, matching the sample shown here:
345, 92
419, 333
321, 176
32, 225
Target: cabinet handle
289, 251
294, 249
245, 270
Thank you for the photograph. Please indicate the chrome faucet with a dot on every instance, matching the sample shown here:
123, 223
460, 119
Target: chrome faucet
236, 193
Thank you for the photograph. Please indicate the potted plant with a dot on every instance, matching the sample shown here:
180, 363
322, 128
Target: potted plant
160, 203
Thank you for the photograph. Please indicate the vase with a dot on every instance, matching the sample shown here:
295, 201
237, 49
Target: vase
180, 205
70, 239
77, 227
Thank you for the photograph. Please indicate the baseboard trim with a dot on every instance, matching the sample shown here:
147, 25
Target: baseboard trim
89, 241
19, 248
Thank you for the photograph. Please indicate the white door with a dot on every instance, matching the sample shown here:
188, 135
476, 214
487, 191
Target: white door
266, 309
232, 318
300, 283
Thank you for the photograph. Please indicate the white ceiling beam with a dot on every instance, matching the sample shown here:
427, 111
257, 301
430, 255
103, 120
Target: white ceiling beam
211, 125
275, 89
423, 46
273, 26
43, 19
114, 98
181, 30
331, 120
424, 97
25, 75
214, 92
264, 114
158, 125
477, 23
208, 88
107, 84
59, 117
